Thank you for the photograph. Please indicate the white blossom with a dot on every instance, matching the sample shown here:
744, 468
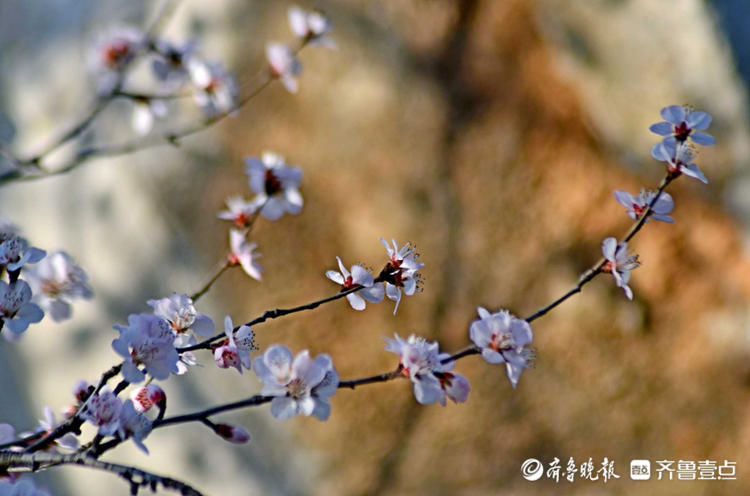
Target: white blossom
276, 185
111, 52
301, 386
400, 273
359, 276
678, 156
103, 410
56, 282
148, 340
171, 61
134, 425
432, 379
619, 263
15, 252
239, 211
17, 311
181, 314
235, 350
503, 338
310, 26
215, 89
681, 123
243, 253
284, 65
636, 205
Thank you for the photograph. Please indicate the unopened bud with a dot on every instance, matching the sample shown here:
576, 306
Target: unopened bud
144, 398
232, 433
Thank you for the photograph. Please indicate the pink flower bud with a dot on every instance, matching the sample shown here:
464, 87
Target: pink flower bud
233, 433
144, 398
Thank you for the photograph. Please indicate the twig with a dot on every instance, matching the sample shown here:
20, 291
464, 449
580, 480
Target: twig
137, 478
195, 296
596, 269
199, 416
101, 101
270, 314
384, 377
73, 424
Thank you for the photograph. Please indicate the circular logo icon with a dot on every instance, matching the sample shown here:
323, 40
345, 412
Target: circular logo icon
532, 469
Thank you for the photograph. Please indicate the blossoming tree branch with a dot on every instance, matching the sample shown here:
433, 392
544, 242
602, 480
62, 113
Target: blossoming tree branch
125, 403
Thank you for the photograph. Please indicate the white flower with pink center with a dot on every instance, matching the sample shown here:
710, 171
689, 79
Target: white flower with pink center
133, 425
170, 62
678, 157
681, 123
243, 253
56, 282
215, 89
235, 350
400, 273
619, 263
15, 252
276, 185
503, 338
310, 27
636, 205
147, 341
103, 410
17, 311
432, 379
69, 441
111, 53
239, 211
283, 65
181, 314
301, 385
359, 276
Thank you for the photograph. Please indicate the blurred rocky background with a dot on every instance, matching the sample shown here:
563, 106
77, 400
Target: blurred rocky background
491, 134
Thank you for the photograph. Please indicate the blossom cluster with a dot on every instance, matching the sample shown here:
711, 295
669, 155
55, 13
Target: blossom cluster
682, 129
400, 275
50, 283
178, 69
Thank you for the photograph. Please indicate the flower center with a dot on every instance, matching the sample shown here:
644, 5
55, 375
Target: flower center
682, 131
296, 388
115, 53
272, 183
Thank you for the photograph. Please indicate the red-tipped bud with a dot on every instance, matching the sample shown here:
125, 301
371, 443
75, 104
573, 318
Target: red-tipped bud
144, 398
232, 433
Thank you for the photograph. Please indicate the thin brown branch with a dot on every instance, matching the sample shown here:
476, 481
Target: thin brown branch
596, 269
73, 424
270, 314
137, 478
195, 296
101, 101
384, 377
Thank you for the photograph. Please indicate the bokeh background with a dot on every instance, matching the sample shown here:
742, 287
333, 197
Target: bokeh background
492, 134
